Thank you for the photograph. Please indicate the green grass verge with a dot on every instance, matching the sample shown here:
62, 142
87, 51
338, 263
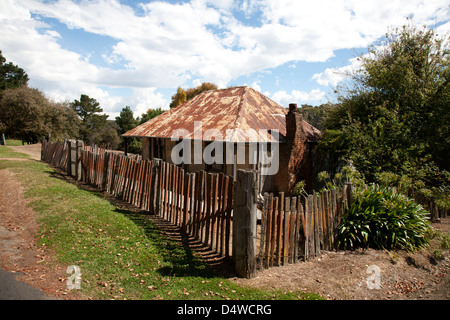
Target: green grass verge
121, 254
6, 152
13, 142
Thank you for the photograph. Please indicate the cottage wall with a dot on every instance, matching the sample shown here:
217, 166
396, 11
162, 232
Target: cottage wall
295, 157
151, 144
146, 151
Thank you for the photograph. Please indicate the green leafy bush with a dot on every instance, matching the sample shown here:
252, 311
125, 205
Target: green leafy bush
383, 219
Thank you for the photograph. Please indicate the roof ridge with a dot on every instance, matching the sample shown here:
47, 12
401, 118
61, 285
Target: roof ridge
241, 108
263, 95
237, 121
227, 88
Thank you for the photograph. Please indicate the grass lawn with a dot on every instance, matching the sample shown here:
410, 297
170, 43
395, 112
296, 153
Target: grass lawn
121, 254
6, 152
13, 142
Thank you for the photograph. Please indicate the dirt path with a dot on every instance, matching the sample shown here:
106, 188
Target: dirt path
334, 275
34, 150
346, 275
19, 251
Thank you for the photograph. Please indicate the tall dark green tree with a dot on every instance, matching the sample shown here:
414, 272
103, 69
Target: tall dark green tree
88, 109
11, 75
126, 120
394, 118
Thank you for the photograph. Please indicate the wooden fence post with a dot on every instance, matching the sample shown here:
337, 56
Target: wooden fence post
43, 148
244, 223
349, 195
155, 189
71, 167
78, 169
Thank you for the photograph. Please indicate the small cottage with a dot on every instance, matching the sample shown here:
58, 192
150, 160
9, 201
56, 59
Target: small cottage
234, 128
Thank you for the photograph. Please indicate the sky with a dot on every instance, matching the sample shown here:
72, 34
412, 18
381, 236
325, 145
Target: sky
137, 53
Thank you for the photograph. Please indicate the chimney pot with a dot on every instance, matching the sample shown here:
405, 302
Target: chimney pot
292, 107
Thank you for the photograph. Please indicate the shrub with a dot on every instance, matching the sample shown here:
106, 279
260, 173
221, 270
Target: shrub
299, 189
383, 219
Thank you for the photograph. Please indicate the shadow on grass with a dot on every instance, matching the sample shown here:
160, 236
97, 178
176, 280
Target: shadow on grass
179, 258
182, 254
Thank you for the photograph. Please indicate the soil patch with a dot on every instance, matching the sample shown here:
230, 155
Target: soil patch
351, 275
34, 150
19, 250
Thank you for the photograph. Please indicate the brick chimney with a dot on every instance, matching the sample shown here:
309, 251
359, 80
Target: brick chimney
291, 152
294, 125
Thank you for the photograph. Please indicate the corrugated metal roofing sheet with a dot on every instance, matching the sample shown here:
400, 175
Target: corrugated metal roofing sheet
236, 114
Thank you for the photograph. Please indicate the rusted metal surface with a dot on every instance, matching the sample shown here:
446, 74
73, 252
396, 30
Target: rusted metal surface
237, 114
311, 133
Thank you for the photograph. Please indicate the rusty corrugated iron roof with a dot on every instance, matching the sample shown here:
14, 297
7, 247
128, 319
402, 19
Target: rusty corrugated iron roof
234, 114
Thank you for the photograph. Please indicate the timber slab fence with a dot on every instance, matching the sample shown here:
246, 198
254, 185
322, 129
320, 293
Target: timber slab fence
212, 207
199, 203
300, 228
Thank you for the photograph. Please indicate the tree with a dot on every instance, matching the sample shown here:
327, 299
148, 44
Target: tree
21, 112
86, 107
205, 86
315, 115
184, 95
126, 120
106, 135
394, 118
11, 76
27, 114
178, 98
88, 110
62, 122
150, 114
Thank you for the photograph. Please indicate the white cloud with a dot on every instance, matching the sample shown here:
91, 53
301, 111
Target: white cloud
39, 53
332, 76
145, 99
255, 85
444, 29
167, 45
170, 39
225, 5
296, 96
312, 30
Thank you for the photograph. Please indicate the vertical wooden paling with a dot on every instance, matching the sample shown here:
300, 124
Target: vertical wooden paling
228, 235
269, 230
262, 239
217, 209
214, 220
223, 204
274, 233
186, 197
292, 230
280, 229
285, 229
